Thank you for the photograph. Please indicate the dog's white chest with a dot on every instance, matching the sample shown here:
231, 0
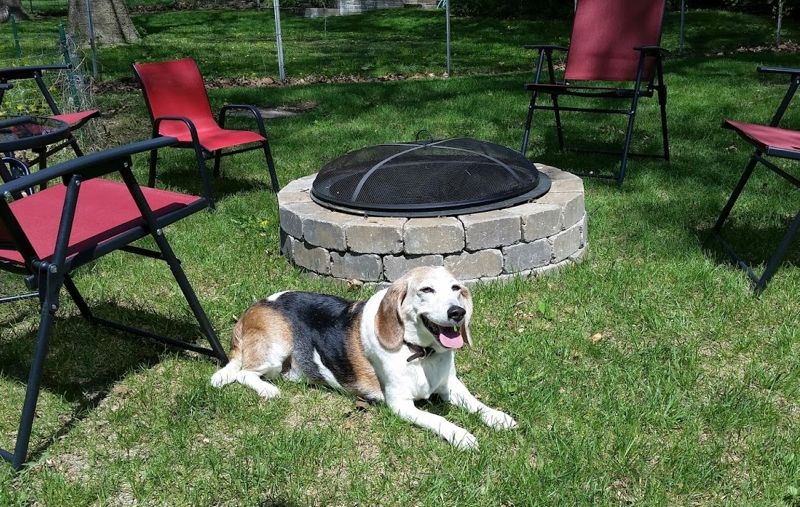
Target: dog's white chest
427, 376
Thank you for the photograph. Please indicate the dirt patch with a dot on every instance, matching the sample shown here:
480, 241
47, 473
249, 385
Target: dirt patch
194, 6
284, 111
783, 47
131, 85
74, 467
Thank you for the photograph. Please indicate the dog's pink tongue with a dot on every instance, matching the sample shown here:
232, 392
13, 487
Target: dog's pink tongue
450, 338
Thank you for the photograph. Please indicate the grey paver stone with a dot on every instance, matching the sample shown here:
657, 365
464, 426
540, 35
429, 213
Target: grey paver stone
380, 235
433, 235
490, 229
566, 243
366, 267
480, 264
394, 266
285, 197
539, 220
325, 228
525, 256
312, 258
571, 204
292, 215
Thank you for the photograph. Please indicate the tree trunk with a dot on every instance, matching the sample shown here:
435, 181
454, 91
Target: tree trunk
10, 8
112, 23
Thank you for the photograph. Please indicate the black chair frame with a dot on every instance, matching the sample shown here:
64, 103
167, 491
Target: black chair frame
774, 262
641, 88
47, 278
35, 72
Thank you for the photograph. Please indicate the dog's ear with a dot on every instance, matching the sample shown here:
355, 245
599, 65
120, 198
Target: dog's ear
388, 324
467, 297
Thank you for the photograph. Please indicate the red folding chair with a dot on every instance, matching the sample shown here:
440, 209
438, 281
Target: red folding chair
614, 41
769, 141
179, 107
75, 120
44, 237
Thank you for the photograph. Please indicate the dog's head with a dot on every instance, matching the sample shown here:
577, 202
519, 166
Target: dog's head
428, 307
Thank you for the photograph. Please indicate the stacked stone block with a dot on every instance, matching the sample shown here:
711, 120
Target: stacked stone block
528, 239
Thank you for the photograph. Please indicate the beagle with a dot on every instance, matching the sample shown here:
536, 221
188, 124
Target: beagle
398, 346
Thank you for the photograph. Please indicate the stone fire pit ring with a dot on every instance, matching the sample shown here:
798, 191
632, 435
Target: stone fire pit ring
528, 239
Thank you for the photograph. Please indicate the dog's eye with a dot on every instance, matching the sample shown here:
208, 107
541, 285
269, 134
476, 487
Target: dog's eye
456, 288
428, 290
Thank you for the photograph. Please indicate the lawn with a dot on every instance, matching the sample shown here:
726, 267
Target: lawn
647, 374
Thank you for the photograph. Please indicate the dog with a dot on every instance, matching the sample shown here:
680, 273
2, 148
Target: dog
396, 347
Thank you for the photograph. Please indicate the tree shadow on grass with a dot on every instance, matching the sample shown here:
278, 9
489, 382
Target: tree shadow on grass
85, 361
187, 178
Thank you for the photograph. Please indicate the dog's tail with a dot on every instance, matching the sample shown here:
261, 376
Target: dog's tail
228, 373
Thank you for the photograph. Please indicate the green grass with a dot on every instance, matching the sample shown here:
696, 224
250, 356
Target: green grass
236, 43
690, 397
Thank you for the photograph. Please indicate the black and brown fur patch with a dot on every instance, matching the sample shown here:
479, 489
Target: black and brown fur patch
309, 326
259, 330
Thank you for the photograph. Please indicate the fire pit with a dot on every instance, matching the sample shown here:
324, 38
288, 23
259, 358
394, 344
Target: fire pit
480, 209
428, 179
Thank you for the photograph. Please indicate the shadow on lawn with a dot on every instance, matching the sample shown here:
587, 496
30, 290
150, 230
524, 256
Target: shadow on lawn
84, 361
187, 180
754, 244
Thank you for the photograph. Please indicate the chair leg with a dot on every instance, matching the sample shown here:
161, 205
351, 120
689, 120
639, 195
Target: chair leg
191, 298
777, 257
273, 175
626, 148
34, 382
180, 278
662, 101
217, 158
74, 145
72, 290
201, 166
559, 129
528, 120
726, 210
151, 180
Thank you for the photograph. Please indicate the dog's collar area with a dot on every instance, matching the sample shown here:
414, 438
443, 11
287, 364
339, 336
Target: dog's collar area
418, 351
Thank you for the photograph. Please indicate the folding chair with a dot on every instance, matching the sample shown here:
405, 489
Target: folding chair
47, 235
75, 120
769, 141
613, 41
179, 107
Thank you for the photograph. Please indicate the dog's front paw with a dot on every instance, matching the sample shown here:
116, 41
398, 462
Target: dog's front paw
464, 440
222, 378
498, 420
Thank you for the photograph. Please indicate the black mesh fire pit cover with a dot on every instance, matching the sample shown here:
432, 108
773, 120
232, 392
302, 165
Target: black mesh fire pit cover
426, 179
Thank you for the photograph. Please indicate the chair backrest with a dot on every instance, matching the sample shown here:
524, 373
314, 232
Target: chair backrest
175, 88
603, 37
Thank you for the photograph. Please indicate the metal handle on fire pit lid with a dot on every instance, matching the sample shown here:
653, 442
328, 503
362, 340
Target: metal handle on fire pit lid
426, 131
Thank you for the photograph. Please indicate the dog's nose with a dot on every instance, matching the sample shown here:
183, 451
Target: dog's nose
456, 313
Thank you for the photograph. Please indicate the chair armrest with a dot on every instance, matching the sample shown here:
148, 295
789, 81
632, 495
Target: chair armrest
545, 47
15, 120
30, 71
186, 121
93, 163
244, 107
779, 70
652, 50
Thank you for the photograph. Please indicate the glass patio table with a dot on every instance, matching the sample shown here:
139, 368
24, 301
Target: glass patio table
27, 133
